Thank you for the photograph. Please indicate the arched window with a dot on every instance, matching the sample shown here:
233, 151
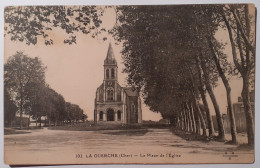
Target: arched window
119, 115
112, 73
107, 73
110, 94
101, 116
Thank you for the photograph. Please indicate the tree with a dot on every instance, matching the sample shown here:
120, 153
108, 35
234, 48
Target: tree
21, 74
10, 108
217, 54
84, 118
57, 112
201, 87
38, 104
238, 23
68, 109
167, 69
74, 113
208, 20
185, 33
29, 23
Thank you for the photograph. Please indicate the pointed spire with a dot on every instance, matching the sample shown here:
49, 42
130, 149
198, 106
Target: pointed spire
110, 59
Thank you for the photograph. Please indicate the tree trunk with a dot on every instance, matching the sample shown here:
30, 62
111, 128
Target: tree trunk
200, 117
202, 121
40, 121
182, 121
205, 102
45, 121
197, 119
21, 114
228, 92
185, 121
179, 122
174, 122
178, 125
189, 117
221, 131
233, 126
193, 119
28, 124
49, 122
248, 111
209, 118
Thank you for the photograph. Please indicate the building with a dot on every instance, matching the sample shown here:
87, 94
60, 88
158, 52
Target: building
114, 103
239, 115
239, 112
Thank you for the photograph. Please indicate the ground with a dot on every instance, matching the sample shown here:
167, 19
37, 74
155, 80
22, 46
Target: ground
42, 146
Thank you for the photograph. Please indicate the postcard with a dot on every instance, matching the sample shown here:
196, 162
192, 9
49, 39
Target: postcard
128, 84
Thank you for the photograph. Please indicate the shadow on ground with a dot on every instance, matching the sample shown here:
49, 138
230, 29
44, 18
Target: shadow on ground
13, 131
206, 142
132, 132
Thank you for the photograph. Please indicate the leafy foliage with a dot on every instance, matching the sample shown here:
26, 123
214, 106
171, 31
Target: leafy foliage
25, 88
10, 108
163, 62
29, 23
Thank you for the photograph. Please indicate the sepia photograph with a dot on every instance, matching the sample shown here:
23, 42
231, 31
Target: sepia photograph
129, 84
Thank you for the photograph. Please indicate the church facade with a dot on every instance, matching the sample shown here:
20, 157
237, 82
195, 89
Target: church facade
114, 103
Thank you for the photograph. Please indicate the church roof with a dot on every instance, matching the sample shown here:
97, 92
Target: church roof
101, 86
110, 59
130, 91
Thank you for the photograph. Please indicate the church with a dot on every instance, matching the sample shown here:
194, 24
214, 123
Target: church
114, 103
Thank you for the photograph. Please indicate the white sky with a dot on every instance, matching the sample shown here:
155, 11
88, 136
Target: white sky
75, 71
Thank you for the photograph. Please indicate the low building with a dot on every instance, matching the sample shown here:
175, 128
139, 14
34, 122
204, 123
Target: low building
239, 112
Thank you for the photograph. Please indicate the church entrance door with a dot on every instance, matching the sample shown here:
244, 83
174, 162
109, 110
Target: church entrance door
110, 115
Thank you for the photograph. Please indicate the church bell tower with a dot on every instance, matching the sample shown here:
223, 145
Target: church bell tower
110, 75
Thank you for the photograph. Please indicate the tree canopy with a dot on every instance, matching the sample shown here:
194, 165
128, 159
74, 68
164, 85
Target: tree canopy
172, 54
26, 90
29, 23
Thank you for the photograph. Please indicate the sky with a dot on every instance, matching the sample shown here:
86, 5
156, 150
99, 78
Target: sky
75, 71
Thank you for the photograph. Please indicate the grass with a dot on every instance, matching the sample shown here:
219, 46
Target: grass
107, 126
9, 131
195, 137
188, 136
130, 132
245, 147
26, 128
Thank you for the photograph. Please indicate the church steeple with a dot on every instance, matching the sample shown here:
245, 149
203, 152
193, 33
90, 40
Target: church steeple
110, 65
110, 59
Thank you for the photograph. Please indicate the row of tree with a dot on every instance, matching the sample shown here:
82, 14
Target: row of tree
27, 92
175, 56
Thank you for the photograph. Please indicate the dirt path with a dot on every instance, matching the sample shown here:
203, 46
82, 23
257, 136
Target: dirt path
152, 146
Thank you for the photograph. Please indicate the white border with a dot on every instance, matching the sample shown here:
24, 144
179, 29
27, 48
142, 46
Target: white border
4, 3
